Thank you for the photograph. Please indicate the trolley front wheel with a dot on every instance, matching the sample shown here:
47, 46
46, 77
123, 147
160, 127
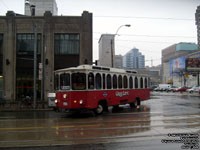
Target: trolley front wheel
99, 110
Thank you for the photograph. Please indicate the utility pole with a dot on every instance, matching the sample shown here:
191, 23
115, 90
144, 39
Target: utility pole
35, 67
32, 10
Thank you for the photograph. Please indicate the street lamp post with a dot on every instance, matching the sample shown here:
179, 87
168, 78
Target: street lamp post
112, 59
125, 25
32, 10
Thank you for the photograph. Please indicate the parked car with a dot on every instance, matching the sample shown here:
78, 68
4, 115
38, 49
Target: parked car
172, 88
181, 89
193, 89
157, 89
164, 87
153, 87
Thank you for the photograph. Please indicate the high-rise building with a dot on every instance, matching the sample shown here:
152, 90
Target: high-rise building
118, 61
134, 59
198, 24
107, 50
41, 6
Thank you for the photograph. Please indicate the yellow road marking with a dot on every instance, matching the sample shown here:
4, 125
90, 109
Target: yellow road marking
40, 127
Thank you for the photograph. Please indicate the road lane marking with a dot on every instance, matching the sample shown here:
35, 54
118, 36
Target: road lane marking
7, 117
54, 127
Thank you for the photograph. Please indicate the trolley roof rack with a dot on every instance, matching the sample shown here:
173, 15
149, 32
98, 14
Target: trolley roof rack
100, 68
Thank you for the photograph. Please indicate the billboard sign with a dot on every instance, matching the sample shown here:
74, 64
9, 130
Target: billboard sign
194, 55
177, 66
193, 64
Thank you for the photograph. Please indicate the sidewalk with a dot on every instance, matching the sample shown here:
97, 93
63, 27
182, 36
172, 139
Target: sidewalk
14, 106
194, 94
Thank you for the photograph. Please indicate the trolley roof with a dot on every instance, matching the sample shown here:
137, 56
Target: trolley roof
96, 68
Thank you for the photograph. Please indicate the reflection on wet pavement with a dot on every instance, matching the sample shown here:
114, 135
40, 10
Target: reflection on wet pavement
154, 120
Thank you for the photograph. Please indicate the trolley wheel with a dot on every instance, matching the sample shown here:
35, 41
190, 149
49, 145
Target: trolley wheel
99, 110
135, 103
132, 105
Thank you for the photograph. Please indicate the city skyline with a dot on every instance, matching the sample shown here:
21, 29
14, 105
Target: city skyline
155, 25
134, 59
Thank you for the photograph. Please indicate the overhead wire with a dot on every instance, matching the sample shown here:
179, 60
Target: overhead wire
143, 35
158, 18
153, 42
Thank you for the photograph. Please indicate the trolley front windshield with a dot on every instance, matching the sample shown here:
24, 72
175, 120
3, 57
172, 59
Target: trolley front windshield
70, 81
78, 81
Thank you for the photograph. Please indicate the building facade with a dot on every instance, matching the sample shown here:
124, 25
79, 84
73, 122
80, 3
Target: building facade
41, 6
62, 41
174, 56
197, 16
134, 59
118, 61
107, 50
153, 73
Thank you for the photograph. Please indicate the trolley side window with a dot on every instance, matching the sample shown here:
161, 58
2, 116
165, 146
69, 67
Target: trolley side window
149, 82
125, 82
90, 81
98, 81
56, 84
141, 83
136, 82
78, 81
108, 81
114, 81
120, 82
65, 81
130, 82
104, 81
146, 84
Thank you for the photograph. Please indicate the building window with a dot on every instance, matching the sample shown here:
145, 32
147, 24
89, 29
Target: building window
1, 55
56, 82
114, 81
1, 87
98, 81
25, 43
1, 44
66, 44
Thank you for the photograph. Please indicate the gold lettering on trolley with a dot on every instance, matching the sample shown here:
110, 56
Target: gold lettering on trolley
121, 94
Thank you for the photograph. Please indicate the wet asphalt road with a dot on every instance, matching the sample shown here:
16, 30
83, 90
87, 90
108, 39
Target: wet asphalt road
164, 118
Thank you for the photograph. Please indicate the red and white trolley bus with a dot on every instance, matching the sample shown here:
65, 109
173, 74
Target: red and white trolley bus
95, 88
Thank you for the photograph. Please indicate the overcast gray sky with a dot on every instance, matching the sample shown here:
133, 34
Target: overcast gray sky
155, 24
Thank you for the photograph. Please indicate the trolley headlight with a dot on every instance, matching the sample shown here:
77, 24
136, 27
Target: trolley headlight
64, 96
56, 101
81, 102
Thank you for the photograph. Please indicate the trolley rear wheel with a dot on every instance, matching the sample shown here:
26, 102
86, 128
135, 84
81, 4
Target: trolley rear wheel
135, 103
